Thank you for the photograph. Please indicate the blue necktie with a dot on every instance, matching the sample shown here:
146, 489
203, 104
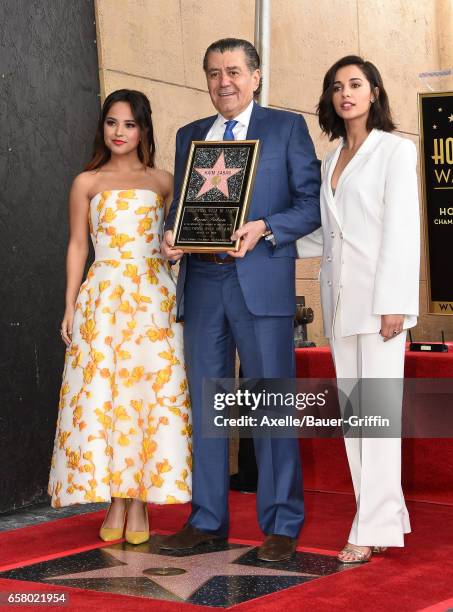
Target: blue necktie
229, 125
228, 135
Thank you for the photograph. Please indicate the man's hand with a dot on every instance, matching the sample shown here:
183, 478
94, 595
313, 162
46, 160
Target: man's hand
250, 233
167, 250
391, 326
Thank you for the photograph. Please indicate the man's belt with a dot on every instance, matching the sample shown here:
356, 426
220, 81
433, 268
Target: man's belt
214, 258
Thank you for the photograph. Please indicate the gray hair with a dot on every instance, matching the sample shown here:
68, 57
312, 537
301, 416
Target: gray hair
252, 59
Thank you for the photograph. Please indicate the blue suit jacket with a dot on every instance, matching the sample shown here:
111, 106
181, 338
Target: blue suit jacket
286, 192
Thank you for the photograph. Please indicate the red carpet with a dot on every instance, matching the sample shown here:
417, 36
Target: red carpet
417, 577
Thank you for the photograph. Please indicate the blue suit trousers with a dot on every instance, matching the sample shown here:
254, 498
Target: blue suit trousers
217, 321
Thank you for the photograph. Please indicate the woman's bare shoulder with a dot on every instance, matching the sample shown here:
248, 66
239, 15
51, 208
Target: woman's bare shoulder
84, 184
85, 180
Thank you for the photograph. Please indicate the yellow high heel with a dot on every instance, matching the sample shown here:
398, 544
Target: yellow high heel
109, 534
138, 537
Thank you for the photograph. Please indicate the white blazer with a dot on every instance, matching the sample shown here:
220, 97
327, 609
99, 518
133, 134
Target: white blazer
370, 236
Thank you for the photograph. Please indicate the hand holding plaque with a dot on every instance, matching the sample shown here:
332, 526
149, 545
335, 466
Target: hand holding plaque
215, 196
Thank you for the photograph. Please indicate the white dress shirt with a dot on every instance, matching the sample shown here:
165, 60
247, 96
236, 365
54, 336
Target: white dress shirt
240, 129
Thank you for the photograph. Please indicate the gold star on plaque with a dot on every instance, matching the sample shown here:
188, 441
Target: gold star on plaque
450, 118
216, 177
440, 109
434, 127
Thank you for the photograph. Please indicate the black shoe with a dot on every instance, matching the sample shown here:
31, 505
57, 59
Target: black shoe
277, 548
189, 537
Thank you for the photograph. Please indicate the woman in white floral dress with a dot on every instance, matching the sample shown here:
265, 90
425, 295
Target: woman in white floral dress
124, 427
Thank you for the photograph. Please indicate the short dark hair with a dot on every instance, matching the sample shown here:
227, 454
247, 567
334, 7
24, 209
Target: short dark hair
252, 59
379, 116
141, 111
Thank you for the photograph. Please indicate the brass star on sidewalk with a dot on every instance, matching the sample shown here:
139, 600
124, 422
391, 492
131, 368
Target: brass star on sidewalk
184, 575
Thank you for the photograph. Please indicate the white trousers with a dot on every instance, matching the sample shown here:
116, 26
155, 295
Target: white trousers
375, 463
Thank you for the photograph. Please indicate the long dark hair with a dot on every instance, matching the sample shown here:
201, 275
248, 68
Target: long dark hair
379, 116
141, 111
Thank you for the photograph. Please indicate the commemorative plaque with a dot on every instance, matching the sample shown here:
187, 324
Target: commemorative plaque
215, 195
436, 152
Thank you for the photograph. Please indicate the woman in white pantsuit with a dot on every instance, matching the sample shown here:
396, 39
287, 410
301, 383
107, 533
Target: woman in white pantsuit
369, 279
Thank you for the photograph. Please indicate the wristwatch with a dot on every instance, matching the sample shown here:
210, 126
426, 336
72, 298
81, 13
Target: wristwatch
268, 234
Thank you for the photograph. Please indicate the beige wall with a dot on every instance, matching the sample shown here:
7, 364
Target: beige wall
157, 46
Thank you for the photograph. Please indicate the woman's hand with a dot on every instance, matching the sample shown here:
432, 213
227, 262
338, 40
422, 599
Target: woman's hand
66, 325
391, 326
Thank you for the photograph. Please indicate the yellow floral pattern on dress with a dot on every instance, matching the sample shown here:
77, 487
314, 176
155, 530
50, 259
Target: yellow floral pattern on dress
124, 423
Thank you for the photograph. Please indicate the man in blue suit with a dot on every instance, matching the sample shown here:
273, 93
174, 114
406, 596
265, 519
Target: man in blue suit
246, 300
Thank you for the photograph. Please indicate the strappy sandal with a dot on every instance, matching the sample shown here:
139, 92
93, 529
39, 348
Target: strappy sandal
358, 556
379, 549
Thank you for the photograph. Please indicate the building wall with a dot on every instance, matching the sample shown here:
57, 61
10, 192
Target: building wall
157, 46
